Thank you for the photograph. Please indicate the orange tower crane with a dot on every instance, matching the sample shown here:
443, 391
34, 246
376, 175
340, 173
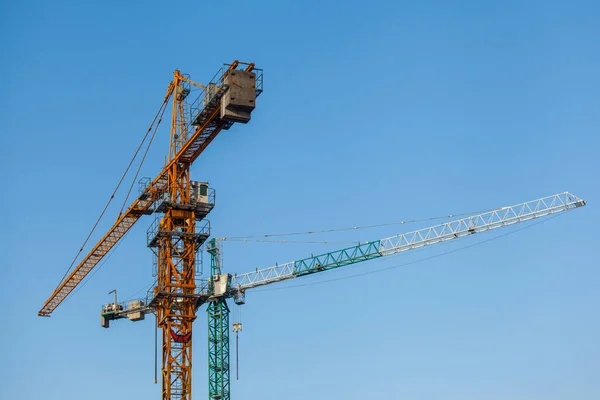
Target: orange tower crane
177, 235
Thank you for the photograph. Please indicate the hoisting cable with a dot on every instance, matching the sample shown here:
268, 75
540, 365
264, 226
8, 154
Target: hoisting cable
284, 241
162, 107
145, 288
356, 227
94, 271
142, 161
237, 327
155, 349
410, 262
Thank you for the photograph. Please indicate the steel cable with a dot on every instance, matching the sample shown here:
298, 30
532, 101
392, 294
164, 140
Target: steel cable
161, 109
142, 161
410, 262
240, 238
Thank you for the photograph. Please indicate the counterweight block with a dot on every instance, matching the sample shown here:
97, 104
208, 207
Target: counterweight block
239, 100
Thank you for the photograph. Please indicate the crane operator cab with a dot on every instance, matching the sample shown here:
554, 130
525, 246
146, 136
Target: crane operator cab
198, 192
202, 198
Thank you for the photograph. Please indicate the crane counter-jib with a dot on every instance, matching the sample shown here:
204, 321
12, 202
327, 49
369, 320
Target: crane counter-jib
456, 229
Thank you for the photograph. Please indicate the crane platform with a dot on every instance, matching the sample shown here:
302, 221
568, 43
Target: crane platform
156, 232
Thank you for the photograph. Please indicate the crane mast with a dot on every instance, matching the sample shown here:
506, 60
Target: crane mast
176, 242
218, 329
227, 99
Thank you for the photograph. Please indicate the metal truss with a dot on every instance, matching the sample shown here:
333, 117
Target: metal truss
497, 218
218, 350
264, 276
500, 217
218, 335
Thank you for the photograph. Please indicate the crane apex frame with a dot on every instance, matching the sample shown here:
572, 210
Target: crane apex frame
180, 228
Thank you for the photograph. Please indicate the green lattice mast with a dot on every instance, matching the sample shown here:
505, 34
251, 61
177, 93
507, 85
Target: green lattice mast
218, 333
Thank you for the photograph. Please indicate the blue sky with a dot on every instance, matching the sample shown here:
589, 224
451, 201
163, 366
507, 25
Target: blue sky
372, 113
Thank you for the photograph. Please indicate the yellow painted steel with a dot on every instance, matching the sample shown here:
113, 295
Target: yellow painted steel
176, 271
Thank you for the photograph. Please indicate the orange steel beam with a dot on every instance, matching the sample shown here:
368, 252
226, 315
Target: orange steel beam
176, 274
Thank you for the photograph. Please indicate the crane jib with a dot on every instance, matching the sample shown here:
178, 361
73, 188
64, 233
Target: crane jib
339, 258
464, 227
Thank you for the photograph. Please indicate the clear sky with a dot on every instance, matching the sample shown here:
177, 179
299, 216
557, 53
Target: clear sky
373, 112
